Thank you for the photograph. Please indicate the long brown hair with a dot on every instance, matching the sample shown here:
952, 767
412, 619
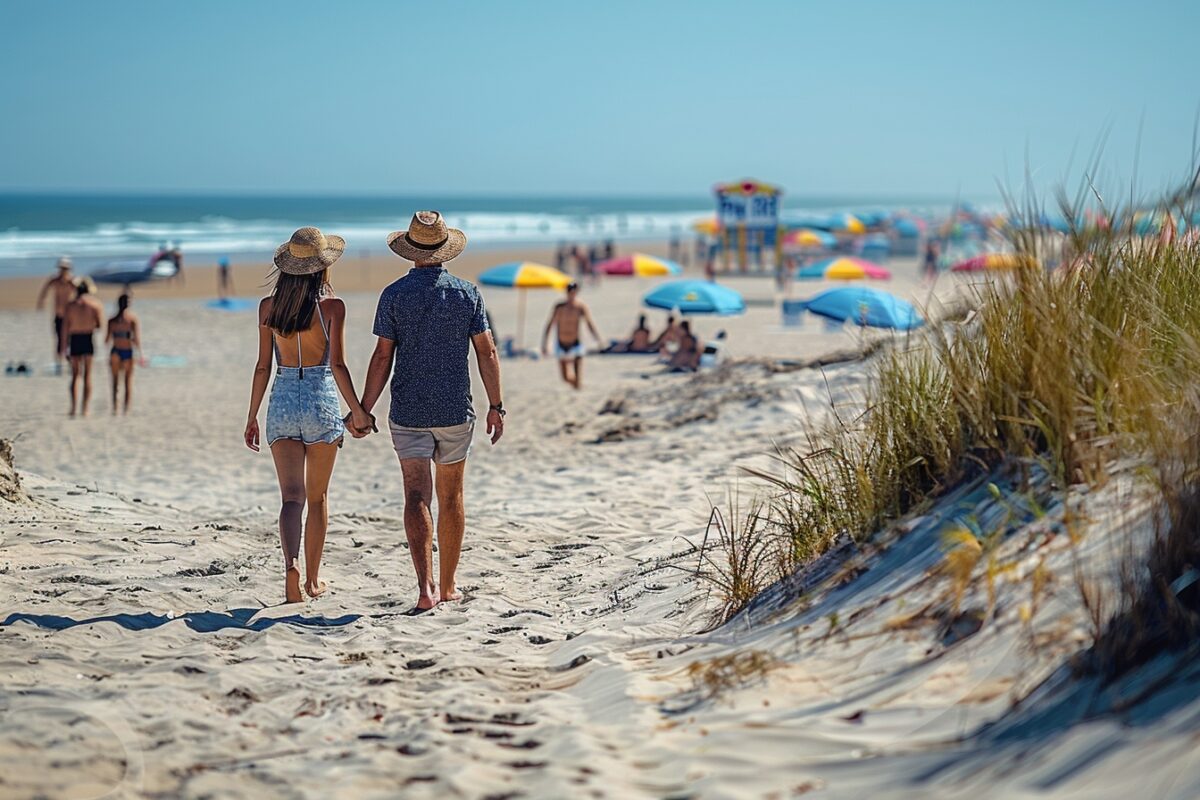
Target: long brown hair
294, 300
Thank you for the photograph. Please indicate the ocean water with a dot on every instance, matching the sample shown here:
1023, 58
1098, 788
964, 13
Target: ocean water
36, 229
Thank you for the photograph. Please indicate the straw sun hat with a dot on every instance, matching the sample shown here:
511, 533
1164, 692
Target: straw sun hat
308, 251
427, 239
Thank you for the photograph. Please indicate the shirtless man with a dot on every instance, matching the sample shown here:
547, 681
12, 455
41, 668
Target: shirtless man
82, 317
63, 287
568, 347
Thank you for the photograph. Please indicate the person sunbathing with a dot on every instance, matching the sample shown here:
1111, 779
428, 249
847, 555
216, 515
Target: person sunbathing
638, 341
668, 340
687, 357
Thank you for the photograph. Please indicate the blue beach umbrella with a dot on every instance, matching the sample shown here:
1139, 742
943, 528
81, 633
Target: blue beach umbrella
865, 306
695, 297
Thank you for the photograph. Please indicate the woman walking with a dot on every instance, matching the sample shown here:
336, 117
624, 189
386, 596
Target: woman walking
124, 333
301, 326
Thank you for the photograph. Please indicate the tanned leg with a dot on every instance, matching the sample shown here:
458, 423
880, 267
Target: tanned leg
74, 382
564, 372
87, 384
578, 384
318, 468
114, 365
289, 466
128, 366
450, 524
418, 526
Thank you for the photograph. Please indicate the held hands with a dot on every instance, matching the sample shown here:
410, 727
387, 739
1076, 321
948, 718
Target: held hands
495, 425
251, 434
360, 423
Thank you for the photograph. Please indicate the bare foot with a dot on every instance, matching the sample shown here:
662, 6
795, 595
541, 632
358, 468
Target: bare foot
315, 588
293, 586
450, 594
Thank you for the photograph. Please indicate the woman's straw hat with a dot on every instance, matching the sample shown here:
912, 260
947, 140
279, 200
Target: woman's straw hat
308, 251
427, 239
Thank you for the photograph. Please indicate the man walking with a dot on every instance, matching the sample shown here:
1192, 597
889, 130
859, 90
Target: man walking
62, 285
426, 323
82, 317
565, 320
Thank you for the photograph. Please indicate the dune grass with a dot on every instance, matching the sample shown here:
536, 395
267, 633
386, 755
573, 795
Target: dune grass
1071, 369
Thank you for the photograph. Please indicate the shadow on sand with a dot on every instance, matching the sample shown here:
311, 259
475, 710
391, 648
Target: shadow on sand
201, 621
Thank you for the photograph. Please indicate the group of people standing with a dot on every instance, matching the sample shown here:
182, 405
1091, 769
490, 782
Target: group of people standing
583, 259
78, 315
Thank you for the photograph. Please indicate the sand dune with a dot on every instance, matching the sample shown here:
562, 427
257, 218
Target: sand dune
144, 650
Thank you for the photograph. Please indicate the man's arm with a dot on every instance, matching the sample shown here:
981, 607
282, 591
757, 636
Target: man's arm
41, 301
587, 317
378, 372
489, 371
549, 325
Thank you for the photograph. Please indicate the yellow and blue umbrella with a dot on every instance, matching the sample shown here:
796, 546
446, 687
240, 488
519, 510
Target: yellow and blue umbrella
524, 275
806, 237
695, 297
640, 265
848, 223
845, 268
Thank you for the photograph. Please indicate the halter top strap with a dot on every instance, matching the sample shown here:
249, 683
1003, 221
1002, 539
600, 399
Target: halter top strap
324, 362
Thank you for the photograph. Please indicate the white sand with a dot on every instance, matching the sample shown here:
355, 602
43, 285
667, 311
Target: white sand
564, 673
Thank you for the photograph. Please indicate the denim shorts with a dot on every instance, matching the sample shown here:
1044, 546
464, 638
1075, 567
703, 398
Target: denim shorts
304, 408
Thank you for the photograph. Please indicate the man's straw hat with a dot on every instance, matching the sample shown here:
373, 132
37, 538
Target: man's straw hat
64, 263
427, 239
309, 251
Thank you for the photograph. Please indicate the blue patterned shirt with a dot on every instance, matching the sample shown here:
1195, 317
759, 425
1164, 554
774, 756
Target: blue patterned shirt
431, 316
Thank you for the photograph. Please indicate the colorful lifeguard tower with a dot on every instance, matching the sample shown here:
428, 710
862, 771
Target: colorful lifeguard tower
748, 213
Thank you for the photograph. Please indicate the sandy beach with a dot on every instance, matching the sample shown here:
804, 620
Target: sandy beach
145, 653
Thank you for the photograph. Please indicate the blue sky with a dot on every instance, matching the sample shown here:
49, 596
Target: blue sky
577, 98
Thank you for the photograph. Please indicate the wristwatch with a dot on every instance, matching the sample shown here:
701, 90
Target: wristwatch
498, 408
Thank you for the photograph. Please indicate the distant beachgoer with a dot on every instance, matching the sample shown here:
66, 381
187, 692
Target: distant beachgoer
176, 256
124, 333
668, 340
63, 287
560, 256
583, 262
426, 323
301, 326
610, 250
224, 279
932, 253
568, 344
82, 317
595, 255
687, 357
638, 341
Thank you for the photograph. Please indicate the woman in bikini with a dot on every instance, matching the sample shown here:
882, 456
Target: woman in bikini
124, 333
301, 326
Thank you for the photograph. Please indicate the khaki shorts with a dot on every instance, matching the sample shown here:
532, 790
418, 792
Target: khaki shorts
444, 445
